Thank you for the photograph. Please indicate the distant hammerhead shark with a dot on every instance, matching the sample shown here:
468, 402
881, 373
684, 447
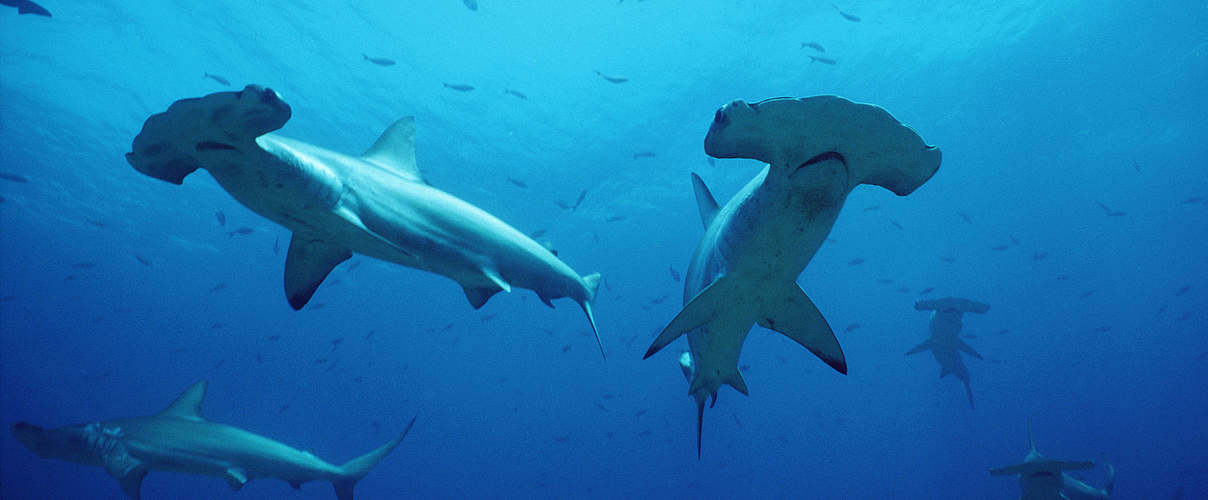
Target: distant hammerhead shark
745, 267
1041, 478
178, 439
944, 341
377, 204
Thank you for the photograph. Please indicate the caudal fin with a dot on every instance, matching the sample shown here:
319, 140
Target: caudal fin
357, 468
592, 281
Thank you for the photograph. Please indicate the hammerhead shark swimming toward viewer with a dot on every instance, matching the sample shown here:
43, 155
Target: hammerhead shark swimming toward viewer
744, 269
178, 439
377, 204
1042, 478
945, 342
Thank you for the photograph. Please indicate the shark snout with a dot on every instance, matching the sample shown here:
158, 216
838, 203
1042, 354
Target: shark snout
30, 435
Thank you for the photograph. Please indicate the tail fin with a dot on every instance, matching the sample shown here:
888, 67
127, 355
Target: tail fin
1031, 442
592, 281
1111, 480
356, 468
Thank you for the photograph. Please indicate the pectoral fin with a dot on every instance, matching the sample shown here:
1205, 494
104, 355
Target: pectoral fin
236, 478
129, 472
968, 349
722, 294
307, 264
920, 348
793, 314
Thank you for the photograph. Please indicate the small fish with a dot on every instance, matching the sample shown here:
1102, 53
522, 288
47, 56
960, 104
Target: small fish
612, 79
277, 245
1101, 329
1192, 200
965, 218
660, 299
370, 334
999, 248
737, 421
608, 396
218, 287
947, 259
217, 78
823, 60
1104, 207
1136, 166
1182, 290
260, 358
336, 343
96, 223
537, 234
903, 289
355, 264
851, 328
643, 154
1185, 316
380, 61
518, 183
1039, 256
274, 338
969, 336
83, 265
460, 87
1086, 294
872, 208
317, 306
487, 317
616, 218
895, 224
221, 217
884, 281
217, 326
744, 367
515, 93
563, 205
640, 413
845, 15
562, 439
283, 408
813, 45
927, 290
320, 361
1014, 240
1117, 214
471, 4
712, 162
579, 200
675, 275
27, 7
142, 260
1063, 277
855, 262
600, 406
20, 179
241, 231
1004, 331
566, 348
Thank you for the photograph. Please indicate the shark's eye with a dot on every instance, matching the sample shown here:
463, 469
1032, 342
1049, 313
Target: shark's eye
720, 116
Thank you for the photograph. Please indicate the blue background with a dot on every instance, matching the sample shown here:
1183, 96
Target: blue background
1042, 110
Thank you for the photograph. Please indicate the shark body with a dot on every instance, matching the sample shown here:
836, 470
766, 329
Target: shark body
944, 340
179, 439
744, 269
1042, 478
377, 204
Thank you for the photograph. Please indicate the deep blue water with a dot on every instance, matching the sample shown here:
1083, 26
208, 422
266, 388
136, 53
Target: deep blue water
1050, 116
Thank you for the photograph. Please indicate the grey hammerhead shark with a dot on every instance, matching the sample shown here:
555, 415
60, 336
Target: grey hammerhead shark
1042, 478
178, 439
945, 341
745, 267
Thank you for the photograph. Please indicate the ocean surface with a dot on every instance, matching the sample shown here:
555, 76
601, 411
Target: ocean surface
1072, 198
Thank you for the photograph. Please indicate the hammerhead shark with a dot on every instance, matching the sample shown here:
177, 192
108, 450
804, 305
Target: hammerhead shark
745, 267
179, 439
1042, 478
377, 204
945, 341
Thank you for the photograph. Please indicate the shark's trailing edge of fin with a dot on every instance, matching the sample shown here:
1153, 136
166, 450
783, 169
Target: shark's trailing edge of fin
307, 263
357, 468
969, 392
1111, 479
592, 283
700, 422
395, 150
705, 203
926, 344
698, 311
479, 295
960, 344
793, 314
188, 405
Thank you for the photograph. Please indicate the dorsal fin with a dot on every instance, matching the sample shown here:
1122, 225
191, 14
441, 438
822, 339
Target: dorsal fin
395, 150
188, 404
704, 201
1031, 442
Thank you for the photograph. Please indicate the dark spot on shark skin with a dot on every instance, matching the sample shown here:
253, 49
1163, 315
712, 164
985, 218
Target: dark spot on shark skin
213, 146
